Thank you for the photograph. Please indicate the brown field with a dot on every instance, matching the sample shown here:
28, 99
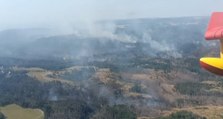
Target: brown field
14, 111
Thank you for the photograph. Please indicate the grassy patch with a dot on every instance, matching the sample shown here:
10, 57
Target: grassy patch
16, 112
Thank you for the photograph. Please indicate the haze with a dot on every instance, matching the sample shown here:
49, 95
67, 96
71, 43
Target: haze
30, 13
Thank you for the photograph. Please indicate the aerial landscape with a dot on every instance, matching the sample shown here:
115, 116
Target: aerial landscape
103, 75
130, 68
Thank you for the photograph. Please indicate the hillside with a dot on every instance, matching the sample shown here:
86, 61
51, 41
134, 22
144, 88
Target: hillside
151, 37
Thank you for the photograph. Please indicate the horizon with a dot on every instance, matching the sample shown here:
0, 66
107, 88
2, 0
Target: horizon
31, 14
111, 20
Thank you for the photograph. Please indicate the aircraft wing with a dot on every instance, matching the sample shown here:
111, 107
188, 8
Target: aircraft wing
215, 27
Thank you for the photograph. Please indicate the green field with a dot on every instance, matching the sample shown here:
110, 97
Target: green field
14, 111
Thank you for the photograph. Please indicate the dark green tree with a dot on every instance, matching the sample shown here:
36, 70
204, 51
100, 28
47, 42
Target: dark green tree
115, 112
183, 115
